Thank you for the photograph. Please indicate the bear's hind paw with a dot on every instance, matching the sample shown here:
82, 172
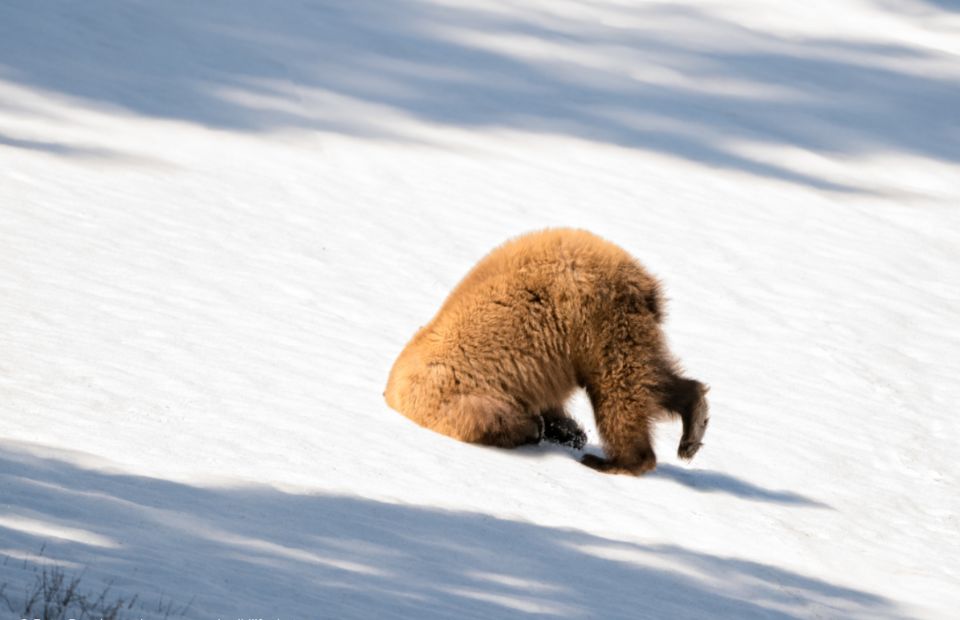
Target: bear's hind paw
565, 432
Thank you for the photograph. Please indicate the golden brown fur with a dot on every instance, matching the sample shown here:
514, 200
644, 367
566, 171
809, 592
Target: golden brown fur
536, 318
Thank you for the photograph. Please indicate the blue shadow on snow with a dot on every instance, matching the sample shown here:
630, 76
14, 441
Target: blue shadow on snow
260, 552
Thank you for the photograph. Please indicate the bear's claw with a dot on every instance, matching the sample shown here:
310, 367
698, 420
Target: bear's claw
688, 449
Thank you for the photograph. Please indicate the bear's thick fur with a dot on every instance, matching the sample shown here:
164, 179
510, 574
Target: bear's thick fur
536, 318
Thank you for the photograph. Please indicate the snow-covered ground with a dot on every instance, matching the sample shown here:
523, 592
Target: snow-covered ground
221, 221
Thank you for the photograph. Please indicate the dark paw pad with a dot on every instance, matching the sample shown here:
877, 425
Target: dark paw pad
565, 432
595, 462
632, 468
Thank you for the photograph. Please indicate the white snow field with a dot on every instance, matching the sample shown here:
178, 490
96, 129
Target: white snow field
221, 221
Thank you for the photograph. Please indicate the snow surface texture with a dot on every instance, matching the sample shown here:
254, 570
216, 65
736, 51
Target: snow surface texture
221, 221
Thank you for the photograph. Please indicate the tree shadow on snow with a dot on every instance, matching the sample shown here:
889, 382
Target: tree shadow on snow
75, 151
260, 552
664, 77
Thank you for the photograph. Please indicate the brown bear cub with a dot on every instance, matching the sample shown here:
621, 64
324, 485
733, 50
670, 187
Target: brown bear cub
536, 318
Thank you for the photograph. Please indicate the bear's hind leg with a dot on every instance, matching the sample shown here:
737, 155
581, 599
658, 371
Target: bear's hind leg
560, 428
488, 421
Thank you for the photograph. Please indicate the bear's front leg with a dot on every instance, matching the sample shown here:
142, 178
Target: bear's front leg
624, 410
613, 467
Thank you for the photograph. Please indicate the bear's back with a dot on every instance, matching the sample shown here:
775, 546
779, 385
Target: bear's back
539, 257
